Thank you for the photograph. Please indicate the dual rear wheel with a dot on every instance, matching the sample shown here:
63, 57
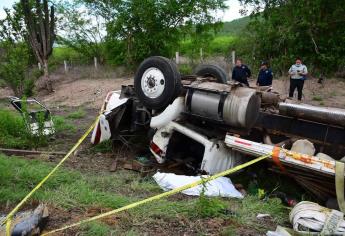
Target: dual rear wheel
158, 82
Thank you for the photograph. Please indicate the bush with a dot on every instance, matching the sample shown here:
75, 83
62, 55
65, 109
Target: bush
14, 133
15, 68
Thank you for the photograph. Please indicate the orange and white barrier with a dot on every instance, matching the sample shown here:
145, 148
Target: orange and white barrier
280, 155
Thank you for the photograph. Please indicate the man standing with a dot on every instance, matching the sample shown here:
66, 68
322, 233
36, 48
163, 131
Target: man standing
265, 75
298, 73
241, 72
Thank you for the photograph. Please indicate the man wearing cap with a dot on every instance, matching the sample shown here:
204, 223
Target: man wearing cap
298, 73
241, 72
265, 75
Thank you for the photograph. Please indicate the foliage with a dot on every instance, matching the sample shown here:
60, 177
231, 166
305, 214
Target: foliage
218, 45
103, 147
209, 207
281, 30
72, 189
235, 27
140, 29
14, 133
185, 69
61, 124
81, 29
12, 27
16, 57
15, 68
96, 229
80, 113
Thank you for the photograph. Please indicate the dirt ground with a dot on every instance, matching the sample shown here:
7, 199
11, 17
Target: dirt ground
75, 90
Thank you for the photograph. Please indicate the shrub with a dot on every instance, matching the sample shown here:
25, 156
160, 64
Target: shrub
15, 68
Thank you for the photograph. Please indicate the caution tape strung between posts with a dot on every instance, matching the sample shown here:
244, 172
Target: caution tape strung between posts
162, 195
9, 217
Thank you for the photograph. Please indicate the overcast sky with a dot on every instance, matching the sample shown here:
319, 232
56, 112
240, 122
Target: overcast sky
229, 15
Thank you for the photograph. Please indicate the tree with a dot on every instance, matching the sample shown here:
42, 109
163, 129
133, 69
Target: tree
81, 29
14, 66
16, 58
139, 29
313, 29
40, 25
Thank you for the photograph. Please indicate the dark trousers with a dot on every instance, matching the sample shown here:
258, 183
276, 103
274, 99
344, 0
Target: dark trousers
296, 83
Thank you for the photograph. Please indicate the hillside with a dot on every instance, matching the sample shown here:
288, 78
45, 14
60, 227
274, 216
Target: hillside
234, 27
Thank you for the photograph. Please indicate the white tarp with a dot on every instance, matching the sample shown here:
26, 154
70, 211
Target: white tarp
221, 186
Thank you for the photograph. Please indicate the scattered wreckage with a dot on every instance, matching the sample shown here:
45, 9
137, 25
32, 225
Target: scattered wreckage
36, 116
30, 222
212, 124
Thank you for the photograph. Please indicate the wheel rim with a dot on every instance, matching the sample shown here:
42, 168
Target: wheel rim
153, 82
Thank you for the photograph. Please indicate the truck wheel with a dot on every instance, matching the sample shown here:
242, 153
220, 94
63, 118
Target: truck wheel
212, 71
157, 82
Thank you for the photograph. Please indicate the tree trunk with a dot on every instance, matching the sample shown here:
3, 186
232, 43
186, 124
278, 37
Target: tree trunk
46, 78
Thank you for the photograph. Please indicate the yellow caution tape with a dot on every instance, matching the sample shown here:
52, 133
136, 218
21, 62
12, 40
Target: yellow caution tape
9, 217
162, 195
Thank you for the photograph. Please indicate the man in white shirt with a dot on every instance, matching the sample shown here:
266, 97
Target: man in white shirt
298, 73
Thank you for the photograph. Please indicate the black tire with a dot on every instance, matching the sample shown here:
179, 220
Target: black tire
172, 82
212, 71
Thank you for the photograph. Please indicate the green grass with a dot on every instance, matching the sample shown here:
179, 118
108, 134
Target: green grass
317, 98
65, 53
80, 113
61, 124
14, 134
185, 69
71, 189
219, 45
96, 229
103, 147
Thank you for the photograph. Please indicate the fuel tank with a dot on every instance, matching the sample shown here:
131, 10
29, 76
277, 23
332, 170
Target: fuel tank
233, 105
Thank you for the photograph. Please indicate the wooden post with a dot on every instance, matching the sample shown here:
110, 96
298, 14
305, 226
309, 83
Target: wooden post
201, 54
177, 58
233, 57
95, 62
65, 64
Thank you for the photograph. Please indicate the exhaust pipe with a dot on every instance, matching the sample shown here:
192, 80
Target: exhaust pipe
327, 115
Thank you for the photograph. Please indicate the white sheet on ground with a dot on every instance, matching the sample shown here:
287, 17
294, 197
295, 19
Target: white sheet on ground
221, 186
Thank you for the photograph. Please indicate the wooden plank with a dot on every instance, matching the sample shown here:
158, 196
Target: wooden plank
20, 152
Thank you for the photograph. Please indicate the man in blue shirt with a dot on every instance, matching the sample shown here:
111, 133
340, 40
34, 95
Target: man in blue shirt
265, 75
241, 73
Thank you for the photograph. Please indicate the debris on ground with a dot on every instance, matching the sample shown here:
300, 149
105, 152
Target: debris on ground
220, 187
21, 152
37, 117
27, 223
311, 217
262, 216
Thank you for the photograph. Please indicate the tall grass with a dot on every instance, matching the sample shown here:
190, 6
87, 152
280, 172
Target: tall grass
219, 45
13, 133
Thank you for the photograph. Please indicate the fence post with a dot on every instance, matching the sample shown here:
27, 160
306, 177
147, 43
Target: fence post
201, 54
233, 57
177, 58
95, 62
65, 64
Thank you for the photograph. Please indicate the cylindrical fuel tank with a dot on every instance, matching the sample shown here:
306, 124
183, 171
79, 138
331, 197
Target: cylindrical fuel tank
238, 108
241, 107
308, 112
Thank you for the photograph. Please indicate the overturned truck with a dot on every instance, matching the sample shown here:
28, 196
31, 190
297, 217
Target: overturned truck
211, 124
